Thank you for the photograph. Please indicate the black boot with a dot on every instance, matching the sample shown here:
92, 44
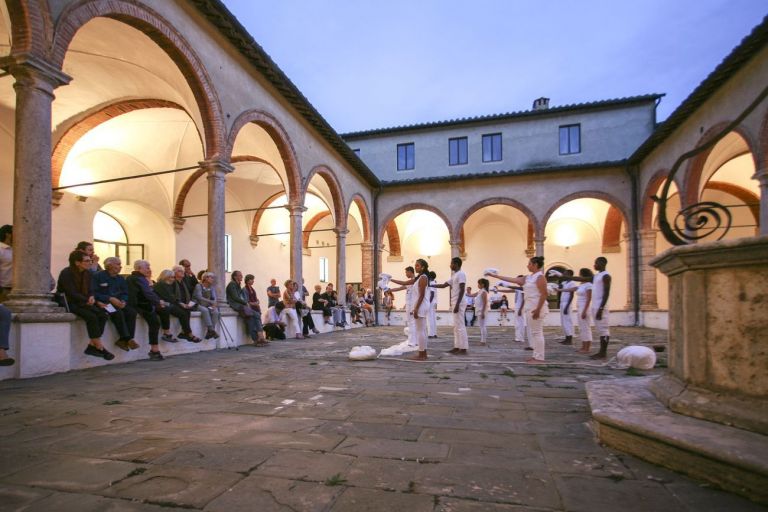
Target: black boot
567, 341
603, 353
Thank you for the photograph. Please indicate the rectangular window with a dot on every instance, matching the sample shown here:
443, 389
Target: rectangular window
406, 157
570, 139
457, 151
227, 253
323, 269
492, 147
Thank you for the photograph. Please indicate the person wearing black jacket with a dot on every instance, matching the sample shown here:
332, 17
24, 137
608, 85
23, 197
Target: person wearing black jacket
145, 301
111, 292
177, 298
76, 284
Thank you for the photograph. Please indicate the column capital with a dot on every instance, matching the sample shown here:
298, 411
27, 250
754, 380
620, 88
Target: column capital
454, 243
539, 239
341, 232
761, 175
295, 209
254, 240
216, 167
366, 245
34, 71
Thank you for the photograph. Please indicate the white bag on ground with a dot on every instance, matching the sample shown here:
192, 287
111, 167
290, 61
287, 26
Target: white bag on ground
362, 353
399, 349
636, 356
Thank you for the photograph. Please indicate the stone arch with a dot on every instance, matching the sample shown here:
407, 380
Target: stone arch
689, 194
652, 189
393, 238
31, 27
742, 194
339, 208
587, 194
91, 121
310, 226
365, 216
162, 32
612, 230
260, 212
490, 202
279, 135
413, 206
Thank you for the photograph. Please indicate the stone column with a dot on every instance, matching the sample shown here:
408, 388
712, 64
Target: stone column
627, 239
762, 177
366, 251
217, 171
341, 261
455, 248
648, 298
35, 81
539, 244
296, 212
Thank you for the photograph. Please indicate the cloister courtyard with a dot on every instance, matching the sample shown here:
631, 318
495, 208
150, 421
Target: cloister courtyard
297, 426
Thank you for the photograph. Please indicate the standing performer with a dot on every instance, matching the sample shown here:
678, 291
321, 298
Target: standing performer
535, 289
432, 316
482, 306
408, 287
566, 297
458, 284
419, 307
601, 290
583, 301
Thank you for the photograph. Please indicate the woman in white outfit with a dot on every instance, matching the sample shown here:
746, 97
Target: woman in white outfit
291, 317
418, 307
583, 311
535, 289
407, 285
481, 308
432, 316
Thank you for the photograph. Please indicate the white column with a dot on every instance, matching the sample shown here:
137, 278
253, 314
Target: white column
455, 248
539, 244
36, 80
217, 171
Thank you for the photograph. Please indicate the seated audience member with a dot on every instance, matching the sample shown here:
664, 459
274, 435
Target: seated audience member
147, 303
204, 295
355, 311
388, 303
237, 300
291, 316
495, 298
332, 301
273, 293
111, 292
6, 261
5, 331
87, 248
274, 322
321, 304
168, 290
76, 283
257, 329
189, 277
303, 311
366, 311
470, 310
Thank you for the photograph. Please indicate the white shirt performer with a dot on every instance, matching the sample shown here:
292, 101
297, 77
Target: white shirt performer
432, 316
583, 292
601, 290
535, 289
409, 291
458, 284
566, 297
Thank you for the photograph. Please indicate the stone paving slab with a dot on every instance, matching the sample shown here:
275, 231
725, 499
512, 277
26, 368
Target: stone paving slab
298, 427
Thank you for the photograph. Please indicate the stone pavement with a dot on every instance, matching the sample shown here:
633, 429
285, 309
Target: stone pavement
296, 426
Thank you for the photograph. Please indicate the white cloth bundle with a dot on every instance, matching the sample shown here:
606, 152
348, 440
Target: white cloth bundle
552, 288
490, 271
636, 356
362, 353
384, 281
554, 273
504, 284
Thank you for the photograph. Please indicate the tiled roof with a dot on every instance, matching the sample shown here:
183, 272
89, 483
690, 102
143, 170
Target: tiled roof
498, 174
738, 57
577, 107
228, 25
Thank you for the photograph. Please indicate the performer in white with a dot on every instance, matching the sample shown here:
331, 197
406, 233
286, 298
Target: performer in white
584, 313
407, 285
535, 289
482, 305
432, 317
601, 290
566, 297
521, 332
458, 284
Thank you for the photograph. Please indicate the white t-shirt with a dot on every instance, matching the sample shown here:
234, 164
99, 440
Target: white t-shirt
6, 265
565, 296
271, 316
598, 287
458, 278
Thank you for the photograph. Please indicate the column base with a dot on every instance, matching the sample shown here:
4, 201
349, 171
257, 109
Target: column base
34, 303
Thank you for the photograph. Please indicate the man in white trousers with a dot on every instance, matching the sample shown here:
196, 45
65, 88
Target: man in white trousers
458, 284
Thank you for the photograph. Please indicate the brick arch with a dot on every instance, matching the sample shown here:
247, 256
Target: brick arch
260, 212
31, 27
587, 194
178, 208
693, 173
491, 202
162, 32
339, 208
742, 194
280, 137
365, 216
761, 159
612, 230
307, 231
413, 206
393, 238
652, 189
67, 141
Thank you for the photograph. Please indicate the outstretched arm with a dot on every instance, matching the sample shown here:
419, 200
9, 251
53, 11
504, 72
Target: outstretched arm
516, 280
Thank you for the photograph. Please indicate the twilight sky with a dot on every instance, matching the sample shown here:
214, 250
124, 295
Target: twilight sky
369, 64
